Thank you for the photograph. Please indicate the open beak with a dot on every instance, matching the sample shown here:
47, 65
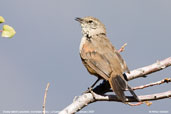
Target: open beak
79, 19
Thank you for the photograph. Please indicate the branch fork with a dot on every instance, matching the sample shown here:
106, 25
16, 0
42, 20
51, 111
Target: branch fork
87, 98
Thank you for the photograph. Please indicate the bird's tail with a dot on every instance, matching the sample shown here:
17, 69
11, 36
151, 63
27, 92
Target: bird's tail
119, 85
133, 94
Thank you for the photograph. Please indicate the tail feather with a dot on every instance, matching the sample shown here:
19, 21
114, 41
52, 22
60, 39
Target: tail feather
133, 94
119, 85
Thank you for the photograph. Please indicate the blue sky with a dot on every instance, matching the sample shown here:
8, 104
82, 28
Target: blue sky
46, 49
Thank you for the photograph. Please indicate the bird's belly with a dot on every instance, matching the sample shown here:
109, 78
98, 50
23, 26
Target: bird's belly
90, 70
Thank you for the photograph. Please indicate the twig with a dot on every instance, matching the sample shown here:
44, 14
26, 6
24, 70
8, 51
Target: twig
44, 101
105, 87
122, 48
166, 80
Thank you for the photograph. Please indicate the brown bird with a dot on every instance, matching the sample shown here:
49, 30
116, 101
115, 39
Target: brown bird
101, 58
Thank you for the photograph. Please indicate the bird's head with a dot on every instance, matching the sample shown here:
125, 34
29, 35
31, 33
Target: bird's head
91, 26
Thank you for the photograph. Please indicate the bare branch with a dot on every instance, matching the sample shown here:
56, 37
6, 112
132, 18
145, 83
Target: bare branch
166, 80
85, 99
44, 101
151, 97
141, 72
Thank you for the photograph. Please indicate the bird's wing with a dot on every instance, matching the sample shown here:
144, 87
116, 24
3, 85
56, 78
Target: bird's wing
112, 53
122, 62
101, 56
98, 63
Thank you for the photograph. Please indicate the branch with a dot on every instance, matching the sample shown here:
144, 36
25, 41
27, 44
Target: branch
87, 98
44, 101
151, 97
137, 73
105, 87
141, 72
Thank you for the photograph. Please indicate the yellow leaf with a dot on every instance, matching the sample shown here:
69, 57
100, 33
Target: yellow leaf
2, 20
148, 103
8, 31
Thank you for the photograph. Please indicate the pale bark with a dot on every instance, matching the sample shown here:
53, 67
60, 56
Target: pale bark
87, 98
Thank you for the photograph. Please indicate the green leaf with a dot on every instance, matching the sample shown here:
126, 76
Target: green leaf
2, 20
8, 31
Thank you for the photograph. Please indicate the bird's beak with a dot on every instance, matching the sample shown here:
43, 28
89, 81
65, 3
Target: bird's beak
79, 19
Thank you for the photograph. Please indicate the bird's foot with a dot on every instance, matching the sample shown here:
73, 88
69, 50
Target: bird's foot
90, 90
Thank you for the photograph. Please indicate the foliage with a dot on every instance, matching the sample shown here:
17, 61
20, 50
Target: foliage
7, 31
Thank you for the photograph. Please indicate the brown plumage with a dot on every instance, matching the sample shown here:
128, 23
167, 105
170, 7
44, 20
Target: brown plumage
101, 58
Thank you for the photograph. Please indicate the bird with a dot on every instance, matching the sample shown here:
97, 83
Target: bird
101, 58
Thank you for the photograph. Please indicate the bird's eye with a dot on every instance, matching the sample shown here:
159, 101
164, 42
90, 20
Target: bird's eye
90, 21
